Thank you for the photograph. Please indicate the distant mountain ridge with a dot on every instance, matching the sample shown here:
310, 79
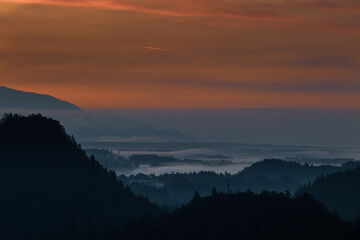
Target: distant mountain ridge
108, 128
82, 123
15, 99
271, 175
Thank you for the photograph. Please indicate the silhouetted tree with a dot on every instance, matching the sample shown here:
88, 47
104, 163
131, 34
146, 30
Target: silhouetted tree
196, 197
214, 192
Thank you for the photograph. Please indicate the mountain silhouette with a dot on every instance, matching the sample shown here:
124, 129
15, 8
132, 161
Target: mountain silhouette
50, 189
87, 126
15, 99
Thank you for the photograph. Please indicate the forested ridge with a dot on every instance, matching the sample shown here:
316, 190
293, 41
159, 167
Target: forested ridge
339, 191
50, 189
249, 216
174, 189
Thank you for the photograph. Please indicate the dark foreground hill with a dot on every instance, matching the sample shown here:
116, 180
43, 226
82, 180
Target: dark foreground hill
50, 189
15, 99
338, 191
249, 216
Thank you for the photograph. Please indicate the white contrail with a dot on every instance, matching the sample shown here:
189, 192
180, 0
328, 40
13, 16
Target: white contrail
157, 49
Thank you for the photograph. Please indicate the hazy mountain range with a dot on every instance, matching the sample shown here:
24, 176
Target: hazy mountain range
15, 99
311, 127
83, 124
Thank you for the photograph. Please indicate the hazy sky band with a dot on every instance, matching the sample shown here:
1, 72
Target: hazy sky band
164, 54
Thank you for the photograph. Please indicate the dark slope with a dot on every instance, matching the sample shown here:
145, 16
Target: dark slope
338, 191
249, 216
14, 99
50, 189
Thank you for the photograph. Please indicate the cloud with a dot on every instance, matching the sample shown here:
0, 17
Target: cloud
346, 28
276, 14
185, 8
325, 87
332, 5
326, 61
337, 86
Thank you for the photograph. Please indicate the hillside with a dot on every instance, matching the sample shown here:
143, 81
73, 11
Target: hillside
249, 216
338, 191
14, 99
51, 190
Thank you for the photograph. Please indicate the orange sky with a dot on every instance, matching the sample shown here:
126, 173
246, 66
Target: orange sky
184, 54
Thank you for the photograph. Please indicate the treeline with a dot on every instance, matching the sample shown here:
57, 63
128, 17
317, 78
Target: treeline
111, 161
272, 175
248, 216
116, 162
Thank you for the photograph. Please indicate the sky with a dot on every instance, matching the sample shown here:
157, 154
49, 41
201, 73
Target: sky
176, 54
